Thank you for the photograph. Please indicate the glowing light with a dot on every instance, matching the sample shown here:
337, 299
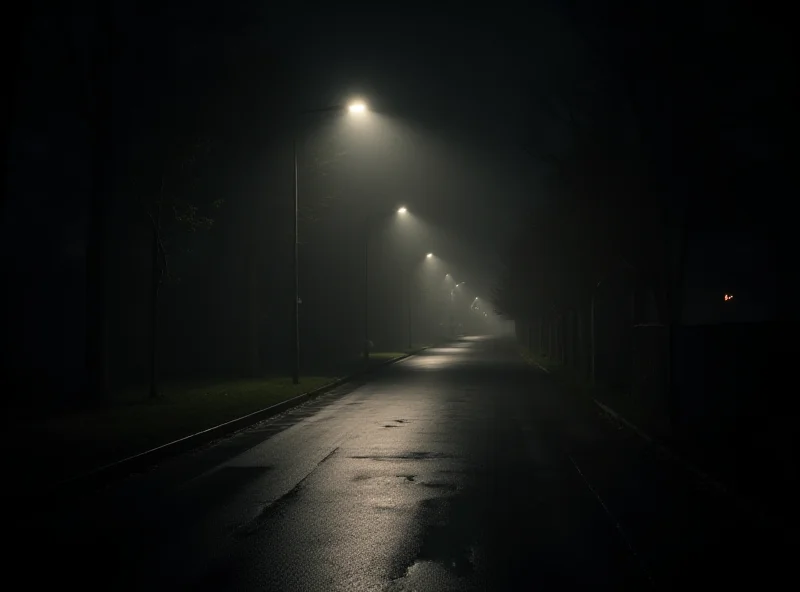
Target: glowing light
728, 297
357, 108
402, 210
429, 255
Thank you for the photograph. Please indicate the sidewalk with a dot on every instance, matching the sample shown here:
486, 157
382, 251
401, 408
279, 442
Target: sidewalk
749, 465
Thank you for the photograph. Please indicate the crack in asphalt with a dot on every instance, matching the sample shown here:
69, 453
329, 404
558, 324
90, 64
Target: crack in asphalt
407, 456
253, 526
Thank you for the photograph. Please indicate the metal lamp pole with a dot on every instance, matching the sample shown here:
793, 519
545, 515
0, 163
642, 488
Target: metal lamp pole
366, 290
408, 306
352, 108
296, 274
367, 234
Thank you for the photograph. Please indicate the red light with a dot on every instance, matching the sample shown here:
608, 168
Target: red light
728, 297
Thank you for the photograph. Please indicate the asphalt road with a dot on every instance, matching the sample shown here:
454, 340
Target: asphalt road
461, 468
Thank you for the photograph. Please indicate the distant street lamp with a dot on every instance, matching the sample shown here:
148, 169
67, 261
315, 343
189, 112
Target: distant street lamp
408, 299
401, 211
354, 108
452, 307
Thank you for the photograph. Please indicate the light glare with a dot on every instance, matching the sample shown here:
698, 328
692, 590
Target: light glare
357, 108
402, 210
429, 255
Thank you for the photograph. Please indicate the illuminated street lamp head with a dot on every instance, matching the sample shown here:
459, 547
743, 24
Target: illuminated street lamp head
357, 107
402, 210
429, 255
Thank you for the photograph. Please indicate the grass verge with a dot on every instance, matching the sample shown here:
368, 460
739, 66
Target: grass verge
57, 448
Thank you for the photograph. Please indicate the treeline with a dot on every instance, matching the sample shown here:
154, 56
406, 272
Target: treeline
681, 129
168, 165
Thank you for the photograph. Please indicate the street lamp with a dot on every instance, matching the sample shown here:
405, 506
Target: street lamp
354, 108
452, 307
408, 300
400, 211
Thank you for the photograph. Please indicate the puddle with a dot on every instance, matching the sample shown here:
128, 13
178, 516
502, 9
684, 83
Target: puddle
437, 485
447, 545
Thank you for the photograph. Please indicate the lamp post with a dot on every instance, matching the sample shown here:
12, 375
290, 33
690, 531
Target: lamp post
409, 286
408, 307
354, 108
402, 210
452, 308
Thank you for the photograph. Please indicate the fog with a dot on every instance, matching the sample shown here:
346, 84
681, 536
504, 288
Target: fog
504, 143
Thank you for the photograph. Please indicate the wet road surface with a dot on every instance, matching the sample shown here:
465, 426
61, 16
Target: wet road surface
461, 468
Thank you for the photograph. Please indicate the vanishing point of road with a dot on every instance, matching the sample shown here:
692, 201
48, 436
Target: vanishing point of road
461, 468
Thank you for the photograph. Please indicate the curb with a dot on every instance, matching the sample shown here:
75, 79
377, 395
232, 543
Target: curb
139, 462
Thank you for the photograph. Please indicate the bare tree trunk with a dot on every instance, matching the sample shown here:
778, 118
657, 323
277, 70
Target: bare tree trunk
572, 348
530, 334
13, 35
254, 317
155, 279
557, 338
581, 356
156, 275
675, 307
541, 335
96, 261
